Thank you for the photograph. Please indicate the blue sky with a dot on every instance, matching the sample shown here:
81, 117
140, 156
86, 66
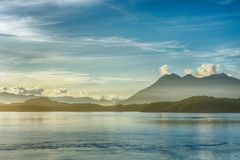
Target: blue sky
114, 48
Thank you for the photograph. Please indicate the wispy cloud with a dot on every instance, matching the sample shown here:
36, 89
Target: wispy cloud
123, 11
20, 27
6, 4
228, 52
125, 42
215, 53
29, 26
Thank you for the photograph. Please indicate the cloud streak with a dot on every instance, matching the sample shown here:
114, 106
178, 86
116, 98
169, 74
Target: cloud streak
21, 27
28, 28
125, 42
30, 3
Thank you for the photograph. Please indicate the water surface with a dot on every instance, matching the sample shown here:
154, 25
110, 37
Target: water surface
119, 136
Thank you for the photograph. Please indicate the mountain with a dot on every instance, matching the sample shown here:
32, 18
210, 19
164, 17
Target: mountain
200, 104
42, 101
42, 104
174, 88
6, 97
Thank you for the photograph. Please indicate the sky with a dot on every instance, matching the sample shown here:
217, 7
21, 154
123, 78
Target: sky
113, 48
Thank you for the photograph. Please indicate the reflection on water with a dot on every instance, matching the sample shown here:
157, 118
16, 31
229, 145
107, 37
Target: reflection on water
61, 136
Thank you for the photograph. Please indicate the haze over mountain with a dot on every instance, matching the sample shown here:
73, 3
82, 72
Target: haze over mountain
173, 88
200, 104
43, 104
6, 97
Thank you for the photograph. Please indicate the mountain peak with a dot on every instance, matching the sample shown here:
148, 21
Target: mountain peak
188, 76
173, 87
167, 78
170, 76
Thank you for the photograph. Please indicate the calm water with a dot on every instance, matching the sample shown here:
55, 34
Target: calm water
119, 136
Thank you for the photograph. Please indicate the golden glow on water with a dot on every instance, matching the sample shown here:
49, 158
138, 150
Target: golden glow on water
65, 118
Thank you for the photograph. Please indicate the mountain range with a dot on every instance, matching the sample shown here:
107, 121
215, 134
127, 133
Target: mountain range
199, 104
168, 88
6, 97
172, 87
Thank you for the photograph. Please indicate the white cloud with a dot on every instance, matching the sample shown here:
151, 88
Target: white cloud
164, 70
61, 92
6, 4
23, 91
188, 71
29, 91
24, 28
27, 27
18, 26
204, 70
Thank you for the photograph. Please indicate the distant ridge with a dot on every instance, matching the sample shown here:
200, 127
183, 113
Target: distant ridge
40, 100
6, 97
188, 76
174, 88
199, 104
